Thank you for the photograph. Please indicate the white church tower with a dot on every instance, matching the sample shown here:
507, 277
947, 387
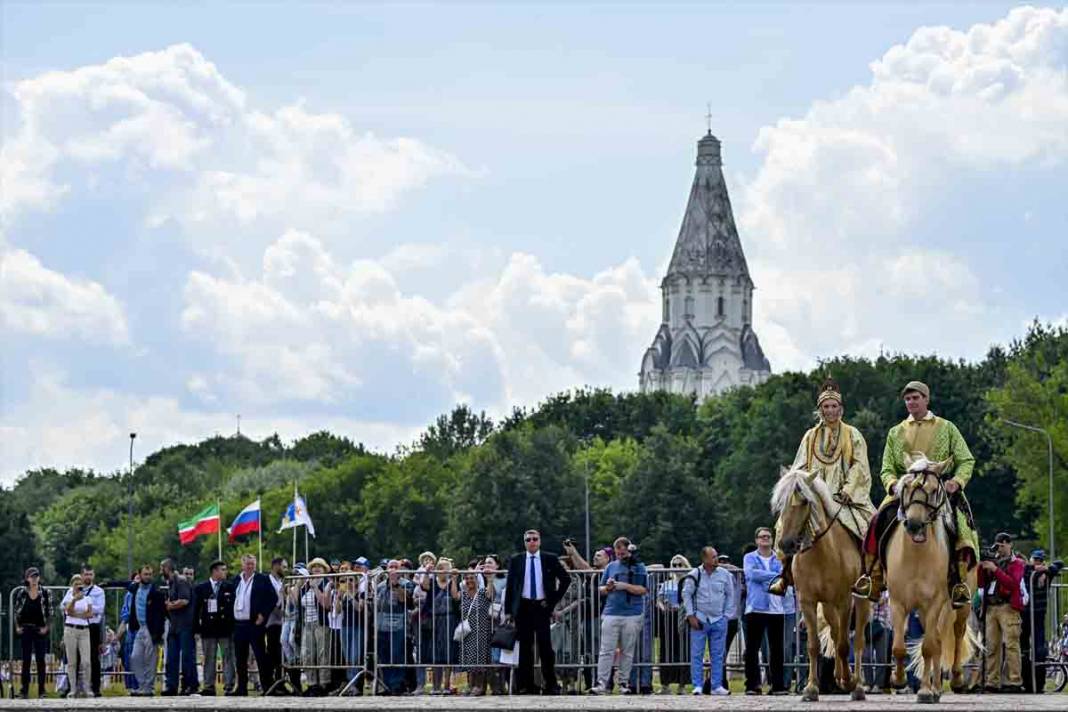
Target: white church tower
706, 344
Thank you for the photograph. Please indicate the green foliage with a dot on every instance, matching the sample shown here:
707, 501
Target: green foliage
672, 476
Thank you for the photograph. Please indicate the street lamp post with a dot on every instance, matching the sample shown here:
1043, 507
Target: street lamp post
1049, 444
129, 509
587, 509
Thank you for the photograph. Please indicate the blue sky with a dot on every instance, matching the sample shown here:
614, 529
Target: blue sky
353, 216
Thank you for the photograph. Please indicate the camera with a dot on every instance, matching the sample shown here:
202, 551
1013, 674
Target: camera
569, 542
989, 554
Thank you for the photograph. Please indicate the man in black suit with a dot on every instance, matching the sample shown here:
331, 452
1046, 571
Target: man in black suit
214, 623
254, 599
536, 583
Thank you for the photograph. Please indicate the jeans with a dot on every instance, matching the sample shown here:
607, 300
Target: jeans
391, 652
314, 653
352, 649
617, 632
144, 659
127, 660
714, 636
181, 650
34, 645
210, 647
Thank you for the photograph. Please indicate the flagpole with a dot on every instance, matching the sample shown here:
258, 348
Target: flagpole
218, 503
259, 534
294, 561
306, 557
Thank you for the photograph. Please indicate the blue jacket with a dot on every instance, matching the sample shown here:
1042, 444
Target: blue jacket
757, 578
262, 599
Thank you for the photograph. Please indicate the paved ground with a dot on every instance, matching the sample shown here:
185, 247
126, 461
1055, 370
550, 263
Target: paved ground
894, 703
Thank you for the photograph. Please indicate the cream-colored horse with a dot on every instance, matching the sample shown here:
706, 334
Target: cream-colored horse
917, 562
827, 560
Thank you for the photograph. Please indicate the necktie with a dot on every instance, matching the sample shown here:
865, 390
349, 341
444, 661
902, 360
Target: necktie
533, 581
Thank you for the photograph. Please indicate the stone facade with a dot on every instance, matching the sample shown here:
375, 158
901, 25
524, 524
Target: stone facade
706, 343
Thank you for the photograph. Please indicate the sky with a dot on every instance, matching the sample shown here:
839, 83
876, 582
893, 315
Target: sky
353, 216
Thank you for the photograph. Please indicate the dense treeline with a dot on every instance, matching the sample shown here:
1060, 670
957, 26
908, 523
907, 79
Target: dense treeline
670, 474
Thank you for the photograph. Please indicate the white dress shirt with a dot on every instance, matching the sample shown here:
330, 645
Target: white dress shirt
95, 594
243, 598
539, 587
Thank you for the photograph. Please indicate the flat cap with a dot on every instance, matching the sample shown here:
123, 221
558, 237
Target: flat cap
919, 387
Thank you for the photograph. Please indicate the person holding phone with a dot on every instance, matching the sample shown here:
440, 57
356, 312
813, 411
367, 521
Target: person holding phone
77, 612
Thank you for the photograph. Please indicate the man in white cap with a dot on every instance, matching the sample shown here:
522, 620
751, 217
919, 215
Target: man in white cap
937, 439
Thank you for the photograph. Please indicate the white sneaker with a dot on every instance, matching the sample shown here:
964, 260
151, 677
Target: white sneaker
721, 691
598, 690
696, 691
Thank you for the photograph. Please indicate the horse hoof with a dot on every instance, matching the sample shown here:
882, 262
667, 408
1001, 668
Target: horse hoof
937, 697
925, 698
810, 695
858, 694
847, 685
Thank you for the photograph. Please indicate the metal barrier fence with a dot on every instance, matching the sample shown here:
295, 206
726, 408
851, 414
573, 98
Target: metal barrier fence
394, 632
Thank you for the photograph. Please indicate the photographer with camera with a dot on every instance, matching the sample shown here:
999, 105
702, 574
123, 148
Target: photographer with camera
1003, 599
623, 584
1038, 575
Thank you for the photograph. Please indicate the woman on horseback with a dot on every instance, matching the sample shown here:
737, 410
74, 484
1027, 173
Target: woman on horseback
836, 453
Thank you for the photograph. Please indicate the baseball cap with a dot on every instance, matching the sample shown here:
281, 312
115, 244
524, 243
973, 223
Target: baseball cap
1038, 554
361, 561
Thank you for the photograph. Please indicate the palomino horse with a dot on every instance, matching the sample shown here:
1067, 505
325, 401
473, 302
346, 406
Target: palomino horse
827, 560
917, 561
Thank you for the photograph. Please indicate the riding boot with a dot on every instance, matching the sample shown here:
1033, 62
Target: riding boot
959, 593
783, 581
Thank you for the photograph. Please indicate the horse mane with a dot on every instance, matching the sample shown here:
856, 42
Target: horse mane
813, 489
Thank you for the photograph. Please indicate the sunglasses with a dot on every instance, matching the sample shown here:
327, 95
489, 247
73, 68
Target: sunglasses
532, 538
35, 575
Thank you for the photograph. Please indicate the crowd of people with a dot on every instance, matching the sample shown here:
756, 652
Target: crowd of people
567, 625
608, 619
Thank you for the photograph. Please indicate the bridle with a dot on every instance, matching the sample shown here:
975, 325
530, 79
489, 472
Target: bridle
932, 502
809, 536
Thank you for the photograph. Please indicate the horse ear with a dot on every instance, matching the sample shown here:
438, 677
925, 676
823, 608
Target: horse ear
782, 471
940, 468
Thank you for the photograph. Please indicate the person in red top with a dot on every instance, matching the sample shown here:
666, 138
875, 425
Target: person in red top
1000, 581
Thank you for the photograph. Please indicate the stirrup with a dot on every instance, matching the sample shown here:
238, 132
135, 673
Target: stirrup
778, 586
863, 587
960, 596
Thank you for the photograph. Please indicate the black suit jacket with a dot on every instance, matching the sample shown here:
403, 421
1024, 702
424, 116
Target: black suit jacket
262, 599
556, 580
221, 623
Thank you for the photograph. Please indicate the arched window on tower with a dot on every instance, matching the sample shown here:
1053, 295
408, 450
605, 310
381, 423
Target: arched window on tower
689, 308
667, 309
719, 306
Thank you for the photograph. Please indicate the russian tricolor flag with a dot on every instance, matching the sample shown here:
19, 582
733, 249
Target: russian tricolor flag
247, 522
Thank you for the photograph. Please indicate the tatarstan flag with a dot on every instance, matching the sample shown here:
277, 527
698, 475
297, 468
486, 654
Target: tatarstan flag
206, 522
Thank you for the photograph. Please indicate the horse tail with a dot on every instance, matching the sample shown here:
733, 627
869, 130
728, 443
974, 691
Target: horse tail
948, 635
828, 648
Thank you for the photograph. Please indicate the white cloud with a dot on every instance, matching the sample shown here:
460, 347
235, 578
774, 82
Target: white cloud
173, 118
827, 218
309, 328
92, 427
43, 302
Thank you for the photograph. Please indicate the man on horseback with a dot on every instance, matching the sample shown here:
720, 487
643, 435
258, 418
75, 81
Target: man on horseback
922, 432
835, 452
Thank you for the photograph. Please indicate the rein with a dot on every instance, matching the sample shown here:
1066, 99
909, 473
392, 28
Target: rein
813, 535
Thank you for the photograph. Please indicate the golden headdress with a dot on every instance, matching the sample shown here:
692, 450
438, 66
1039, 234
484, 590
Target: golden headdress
829, 391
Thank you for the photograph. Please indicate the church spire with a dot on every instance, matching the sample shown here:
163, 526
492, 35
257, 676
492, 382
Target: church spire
708, 239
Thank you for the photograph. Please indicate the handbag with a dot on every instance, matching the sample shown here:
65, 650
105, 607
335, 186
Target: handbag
504, 637
463, 629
